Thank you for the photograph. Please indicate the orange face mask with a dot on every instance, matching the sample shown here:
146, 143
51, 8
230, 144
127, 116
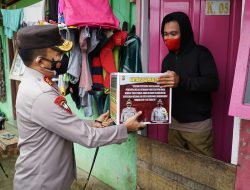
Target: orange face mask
173, 44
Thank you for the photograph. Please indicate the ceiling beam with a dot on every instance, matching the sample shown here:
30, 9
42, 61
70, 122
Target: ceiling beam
6, 3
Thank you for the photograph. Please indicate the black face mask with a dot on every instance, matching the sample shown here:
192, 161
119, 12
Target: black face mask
64, 64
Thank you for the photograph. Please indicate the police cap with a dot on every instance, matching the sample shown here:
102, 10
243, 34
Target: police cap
42, 36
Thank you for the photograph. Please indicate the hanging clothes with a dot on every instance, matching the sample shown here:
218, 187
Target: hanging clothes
101, 58
88, 109
85, 84
2, 80
96, 69
62, 85
97, 76
88, 13
53, 10
93, 41
130, 60
92, 44
75, 59
94, 60
60, 12
34, 13
12, 20
85, 79
73, 89
106, 55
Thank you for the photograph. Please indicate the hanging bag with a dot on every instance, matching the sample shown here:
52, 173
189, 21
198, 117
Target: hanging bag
88, 13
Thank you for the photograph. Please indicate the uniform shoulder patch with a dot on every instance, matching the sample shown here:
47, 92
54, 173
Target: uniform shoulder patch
48, 80
61, 101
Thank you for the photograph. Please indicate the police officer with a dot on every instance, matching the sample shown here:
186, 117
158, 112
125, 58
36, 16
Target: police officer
46, 125
128, 112
159, 113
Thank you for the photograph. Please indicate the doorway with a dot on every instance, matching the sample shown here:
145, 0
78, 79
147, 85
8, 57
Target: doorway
220, 34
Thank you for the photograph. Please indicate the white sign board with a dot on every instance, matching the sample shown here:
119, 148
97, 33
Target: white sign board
219, 7
17, 68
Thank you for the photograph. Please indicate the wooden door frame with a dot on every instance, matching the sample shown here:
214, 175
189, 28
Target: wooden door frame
13, 83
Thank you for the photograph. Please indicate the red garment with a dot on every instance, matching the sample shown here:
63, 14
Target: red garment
106, 55
106, 61
97, 77
88, 13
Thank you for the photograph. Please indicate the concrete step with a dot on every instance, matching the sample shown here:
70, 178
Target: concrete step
161, 166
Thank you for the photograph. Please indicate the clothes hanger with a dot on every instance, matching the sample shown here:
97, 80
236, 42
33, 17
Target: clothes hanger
132, 31
99, 34
125, 26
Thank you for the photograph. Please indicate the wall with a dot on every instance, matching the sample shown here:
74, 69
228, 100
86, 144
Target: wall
124, 10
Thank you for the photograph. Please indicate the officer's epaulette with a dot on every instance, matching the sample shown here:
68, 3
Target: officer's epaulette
44, 87
47, 85
48, 80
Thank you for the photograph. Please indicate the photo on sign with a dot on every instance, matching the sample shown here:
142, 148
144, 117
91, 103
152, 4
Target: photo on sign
17, 68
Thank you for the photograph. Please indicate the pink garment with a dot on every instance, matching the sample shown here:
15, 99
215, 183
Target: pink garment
88, 13
85, 79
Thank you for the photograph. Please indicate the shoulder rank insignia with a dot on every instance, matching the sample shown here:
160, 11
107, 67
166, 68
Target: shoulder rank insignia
60, 101
48, 80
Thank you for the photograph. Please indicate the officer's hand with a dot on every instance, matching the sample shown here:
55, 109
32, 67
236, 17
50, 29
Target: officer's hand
103, 121
103, 117
97, 125
132, 123
107, 122
169, 80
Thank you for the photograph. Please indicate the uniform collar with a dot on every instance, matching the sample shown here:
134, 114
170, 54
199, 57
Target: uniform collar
29, 72
34, 74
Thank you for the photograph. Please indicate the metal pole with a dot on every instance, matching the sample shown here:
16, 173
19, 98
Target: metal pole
3, 170
93, 162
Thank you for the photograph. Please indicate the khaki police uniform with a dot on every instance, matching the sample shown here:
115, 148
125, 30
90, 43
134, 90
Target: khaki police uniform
159, 114
46, 132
